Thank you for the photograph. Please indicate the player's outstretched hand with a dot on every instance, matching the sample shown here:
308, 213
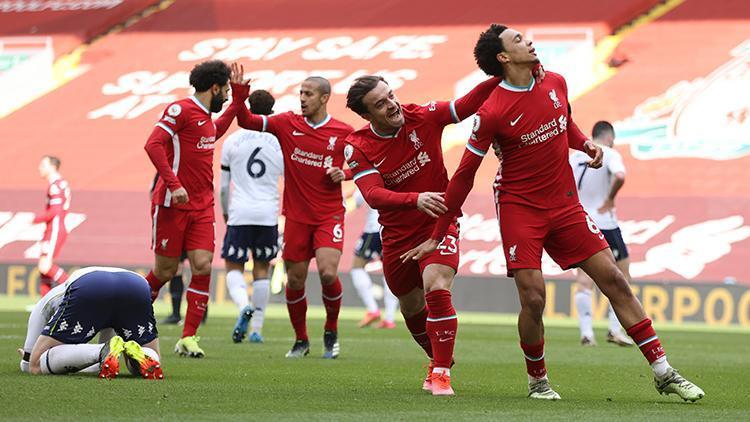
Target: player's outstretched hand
415, 254
337, 175
432, 203
180, 196
238, 74
539, 73
595, 152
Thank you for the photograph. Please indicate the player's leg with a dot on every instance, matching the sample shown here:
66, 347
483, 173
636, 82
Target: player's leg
45, 282
176, 289
53, 357
264, 250
327, 260
584, 304
601, 267
620, 252
261, 294
328, 242
298, 250
390, 306
362, 281
198, 295
441, 325
168, 228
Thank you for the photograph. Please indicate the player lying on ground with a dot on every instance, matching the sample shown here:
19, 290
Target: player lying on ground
312, 144
538, 205
96, 298
397, 160
251, 167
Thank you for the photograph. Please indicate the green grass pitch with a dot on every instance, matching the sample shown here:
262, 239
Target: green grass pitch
379, 376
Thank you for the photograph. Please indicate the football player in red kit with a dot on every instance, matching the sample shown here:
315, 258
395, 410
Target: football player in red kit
181, 147
313, 147
538, 206
58, 202
397, 162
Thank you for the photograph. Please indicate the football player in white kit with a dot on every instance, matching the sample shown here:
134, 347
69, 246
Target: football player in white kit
253, 162
369, 247
597, 189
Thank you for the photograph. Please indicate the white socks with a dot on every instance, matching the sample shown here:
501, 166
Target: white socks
660, 367
261, 291
237, 288
614, 323
136, 371
585, 319
391, 303
67, 358
363, 285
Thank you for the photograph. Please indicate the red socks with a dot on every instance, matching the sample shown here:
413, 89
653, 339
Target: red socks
332, 294
417, 325
155, 285
534, 355
45, 285
296, 304
644, 336
442, 323
55, 276
197, 300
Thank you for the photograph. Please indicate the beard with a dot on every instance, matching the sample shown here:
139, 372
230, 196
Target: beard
216, 103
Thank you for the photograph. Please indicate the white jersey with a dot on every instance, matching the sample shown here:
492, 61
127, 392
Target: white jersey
254, 163
594, 184
371, 221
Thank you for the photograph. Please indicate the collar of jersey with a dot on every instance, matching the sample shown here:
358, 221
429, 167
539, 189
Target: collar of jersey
384, 136
195, 100
509, 87
315, 126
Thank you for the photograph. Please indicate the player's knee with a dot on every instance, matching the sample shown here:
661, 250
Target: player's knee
327, 275
533, 302
202, 266
439, 282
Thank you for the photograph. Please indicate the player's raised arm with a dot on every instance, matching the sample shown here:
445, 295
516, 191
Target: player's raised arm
238, 99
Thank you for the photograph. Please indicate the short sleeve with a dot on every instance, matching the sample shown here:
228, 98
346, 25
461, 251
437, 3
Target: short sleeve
173, 119
614, 162
440, 113
358, 163
482, 133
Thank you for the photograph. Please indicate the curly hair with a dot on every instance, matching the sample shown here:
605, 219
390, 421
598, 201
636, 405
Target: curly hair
205, 75
261, 102
488, 46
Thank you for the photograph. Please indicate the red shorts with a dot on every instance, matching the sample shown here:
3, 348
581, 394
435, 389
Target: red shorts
302, 240
54, 237
402, 278
174, 230
567, 234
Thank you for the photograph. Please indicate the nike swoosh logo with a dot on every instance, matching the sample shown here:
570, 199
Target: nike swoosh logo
513, 123
202, 122
297, 133
376, 165
443, 340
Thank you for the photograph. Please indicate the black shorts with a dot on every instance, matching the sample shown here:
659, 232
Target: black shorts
369, 246
104, 299
616, 243
241, 242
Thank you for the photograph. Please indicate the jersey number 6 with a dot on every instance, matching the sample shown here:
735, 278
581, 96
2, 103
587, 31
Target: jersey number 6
256, 168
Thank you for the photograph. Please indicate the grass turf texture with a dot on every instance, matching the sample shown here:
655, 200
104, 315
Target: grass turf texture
379, 376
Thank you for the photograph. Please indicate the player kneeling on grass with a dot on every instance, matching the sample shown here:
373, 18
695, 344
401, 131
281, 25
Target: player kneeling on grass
96, 298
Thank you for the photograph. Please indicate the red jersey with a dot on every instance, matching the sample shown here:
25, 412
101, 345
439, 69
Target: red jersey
58, 202
182, 150
411, 161
534, 128
391, 171
310, 196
